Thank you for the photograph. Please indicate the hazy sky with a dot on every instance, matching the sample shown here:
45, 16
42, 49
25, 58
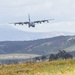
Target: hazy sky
63, 11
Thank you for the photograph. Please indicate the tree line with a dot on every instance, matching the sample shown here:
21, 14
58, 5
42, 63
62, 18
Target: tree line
60, 55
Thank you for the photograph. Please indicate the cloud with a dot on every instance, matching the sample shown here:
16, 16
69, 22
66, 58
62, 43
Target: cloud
63, 11
50, 27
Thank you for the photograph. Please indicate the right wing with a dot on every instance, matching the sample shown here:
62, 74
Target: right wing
42, 21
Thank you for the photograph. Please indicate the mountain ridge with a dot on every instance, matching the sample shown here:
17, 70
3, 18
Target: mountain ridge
40, 46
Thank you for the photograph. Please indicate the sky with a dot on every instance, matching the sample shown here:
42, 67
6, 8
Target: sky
63, 11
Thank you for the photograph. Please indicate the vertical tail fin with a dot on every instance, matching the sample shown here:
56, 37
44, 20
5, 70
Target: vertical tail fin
29, 17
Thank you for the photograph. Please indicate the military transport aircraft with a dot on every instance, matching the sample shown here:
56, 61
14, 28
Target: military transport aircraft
32, 23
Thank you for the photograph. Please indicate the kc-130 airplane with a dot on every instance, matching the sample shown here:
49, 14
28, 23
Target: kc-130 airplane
32, 23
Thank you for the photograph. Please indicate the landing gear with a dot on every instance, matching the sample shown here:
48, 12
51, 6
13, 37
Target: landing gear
31, 26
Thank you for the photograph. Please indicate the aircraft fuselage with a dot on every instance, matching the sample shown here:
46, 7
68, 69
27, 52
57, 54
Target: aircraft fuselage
31, 24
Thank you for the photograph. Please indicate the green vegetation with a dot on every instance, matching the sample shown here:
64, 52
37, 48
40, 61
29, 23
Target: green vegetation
60, 67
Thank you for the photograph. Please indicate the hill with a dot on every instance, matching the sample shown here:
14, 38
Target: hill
41, 46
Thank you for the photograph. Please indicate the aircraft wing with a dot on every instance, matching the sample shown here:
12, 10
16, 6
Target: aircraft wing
42, 21
20, 23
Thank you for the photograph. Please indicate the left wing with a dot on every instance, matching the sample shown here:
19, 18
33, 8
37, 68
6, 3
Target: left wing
20, 23
42, 21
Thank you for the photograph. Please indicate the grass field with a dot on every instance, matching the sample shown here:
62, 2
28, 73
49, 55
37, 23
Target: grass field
60, 67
